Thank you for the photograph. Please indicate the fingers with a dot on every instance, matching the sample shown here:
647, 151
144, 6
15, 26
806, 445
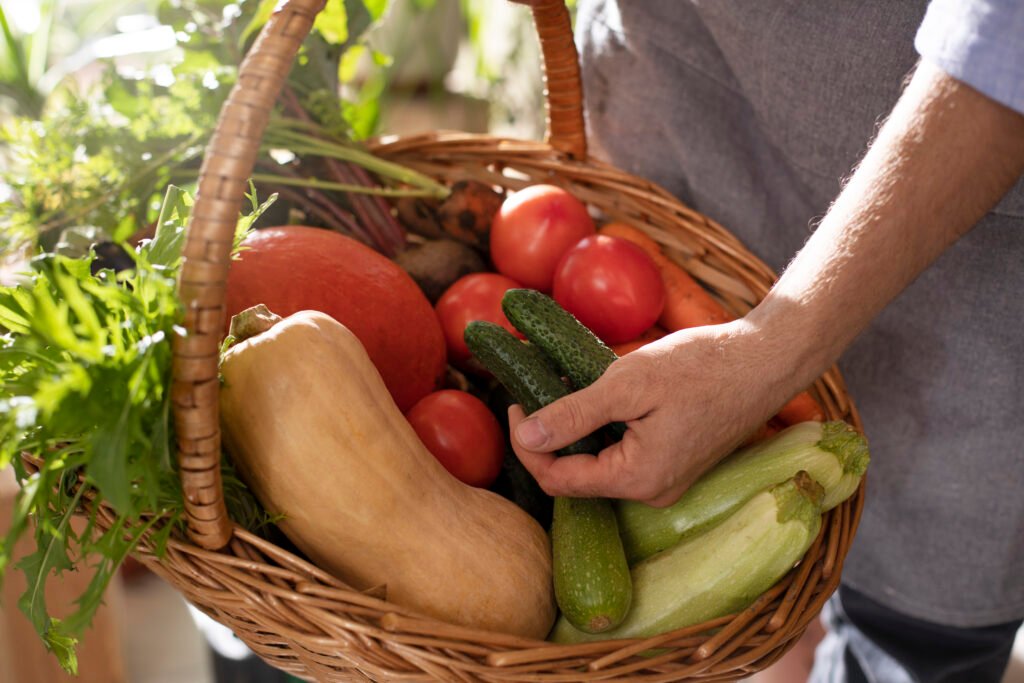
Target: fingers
610, 474
567, 420
536, 462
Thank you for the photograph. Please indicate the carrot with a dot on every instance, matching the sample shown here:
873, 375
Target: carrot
801, 408
466, 215
645, 338
687, 304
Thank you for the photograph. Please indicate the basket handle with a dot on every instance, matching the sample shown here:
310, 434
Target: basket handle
228, 163
563, 89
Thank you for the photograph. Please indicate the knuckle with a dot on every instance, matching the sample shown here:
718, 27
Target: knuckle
573, 415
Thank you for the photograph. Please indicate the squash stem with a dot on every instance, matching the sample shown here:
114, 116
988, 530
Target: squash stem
251, 322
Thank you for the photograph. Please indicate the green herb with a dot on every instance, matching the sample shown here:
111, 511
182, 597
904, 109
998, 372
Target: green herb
85, 370
105, 158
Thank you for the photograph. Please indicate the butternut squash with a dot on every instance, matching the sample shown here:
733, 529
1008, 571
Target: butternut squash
317, 437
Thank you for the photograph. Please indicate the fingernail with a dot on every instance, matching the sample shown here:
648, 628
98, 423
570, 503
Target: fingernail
531, 433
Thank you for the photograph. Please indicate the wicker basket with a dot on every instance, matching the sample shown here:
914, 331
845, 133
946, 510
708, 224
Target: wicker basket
312, 625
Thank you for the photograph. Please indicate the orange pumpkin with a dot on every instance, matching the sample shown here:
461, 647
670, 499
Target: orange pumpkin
295, 268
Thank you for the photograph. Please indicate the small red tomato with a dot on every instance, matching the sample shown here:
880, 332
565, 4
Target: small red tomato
533, 229
462, 433
472, 297
612, 286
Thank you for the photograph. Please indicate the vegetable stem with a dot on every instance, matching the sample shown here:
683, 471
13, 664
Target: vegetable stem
333, 215
341, 187
252, 321
310, 145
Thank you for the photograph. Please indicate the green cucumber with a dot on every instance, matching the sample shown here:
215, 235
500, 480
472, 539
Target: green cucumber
593, 587
834, 454
577, 351
721, 571
521, 368
517, 484
514, 481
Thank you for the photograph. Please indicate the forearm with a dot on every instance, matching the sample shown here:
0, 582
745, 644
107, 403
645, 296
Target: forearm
941, 161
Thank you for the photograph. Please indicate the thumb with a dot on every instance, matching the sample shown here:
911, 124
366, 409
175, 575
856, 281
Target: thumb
565, 421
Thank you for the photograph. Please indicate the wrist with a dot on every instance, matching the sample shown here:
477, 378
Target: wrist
794, 348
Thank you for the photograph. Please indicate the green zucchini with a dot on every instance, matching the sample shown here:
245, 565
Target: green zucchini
834, 454
580, 354
592, 581
721, 571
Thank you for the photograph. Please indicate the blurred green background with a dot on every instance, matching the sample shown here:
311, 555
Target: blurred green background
102, 104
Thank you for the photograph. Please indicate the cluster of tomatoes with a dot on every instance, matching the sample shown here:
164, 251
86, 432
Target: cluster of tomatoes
542, 238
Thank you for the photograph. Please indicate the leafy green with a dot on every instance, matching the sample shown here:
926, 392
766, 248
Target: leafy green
102, 160
85, 370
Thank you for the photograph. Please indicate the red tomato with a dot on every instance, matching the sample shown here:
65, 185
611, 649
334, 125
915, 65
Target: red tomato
472, 297
462, 433
612, 286
533, 229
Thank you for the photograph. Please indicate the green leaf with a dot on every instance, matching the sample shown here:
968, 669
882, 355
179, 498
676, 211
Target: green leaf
169, 240
23, 505
51, 555
11, 318
62, 644
360, 17
363, 112
350, 62
376, 8
84, 312
245, 223
14, 49
108, 468
332, 22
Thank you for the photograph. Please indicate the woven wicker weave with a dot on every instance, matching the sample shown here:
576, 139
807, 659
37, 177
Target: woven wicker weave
308, 623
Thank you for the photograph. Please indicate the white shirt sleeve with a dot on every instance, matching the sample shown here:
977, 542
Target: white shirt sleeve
978, 42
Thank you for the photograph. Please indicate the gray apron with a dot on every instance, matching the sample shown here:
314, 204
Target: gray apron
752, 112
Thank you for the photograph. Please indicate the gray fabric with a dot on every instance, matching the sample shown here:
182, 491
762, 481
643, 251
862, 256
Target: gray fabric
753, 112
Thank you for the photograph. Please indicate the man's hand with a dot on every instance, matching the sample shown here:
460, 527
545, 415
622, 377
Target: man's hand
688, 399
945, 157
